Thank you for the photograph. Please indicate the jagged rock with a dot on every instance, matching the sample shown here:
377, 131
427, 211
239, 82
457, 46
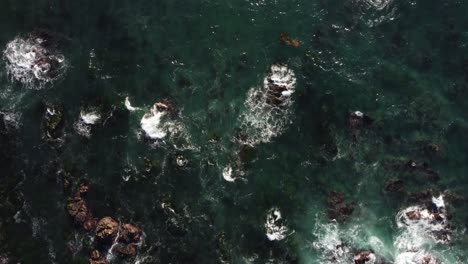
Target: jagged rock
129, 234
107, 229
97, 258
337, 208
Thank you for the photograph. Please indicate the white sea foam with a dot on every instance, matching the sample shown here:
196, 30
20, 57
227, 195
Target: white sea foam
129, 106
152, 123
28, 62
227, 174
439, 202
267, 112
328, 242
86, 121
90, 118
275, 228
419, 230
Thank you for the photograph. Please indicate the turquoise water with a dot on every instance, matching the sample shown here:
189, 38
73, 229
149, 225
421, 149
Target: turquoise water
403, 63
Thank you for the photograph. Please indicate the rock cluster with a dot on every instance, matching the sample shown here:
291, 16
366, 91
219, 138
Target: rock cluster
109, 233
77, 208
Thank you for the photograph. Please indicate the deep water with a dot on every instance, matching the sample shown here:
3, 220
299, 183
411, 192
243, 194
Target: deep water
402, 63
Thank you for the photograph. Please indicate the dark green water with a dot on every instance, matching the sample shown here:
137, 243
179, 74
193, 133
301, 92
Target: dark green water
404, 63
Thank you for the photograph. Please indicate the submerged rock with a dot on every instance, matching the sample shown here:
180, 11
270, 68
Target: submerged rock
394, 185
357, 121
337, 208
107, 229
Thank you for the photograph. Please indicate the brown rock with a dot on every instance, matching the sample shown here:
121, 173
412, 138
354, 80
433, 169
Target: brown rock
97, 258
78, 209
130, 234
107, 229
90, 224
287, 40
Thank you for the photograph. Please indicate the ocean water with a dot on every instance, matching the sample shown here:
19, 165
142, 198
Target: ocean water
222, 175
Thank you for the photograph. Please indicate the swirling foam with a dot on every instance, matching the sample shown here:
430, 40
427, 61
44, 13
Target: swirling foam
30, 63
262, 119
275, 228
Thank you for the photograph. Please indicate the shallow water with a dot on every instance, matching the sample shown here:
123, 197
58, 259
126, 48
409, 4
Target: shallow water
403, 63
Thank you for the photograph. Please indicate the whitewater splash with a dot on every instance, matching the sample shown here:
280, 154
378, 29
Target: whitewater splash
267, 111
328, 241
129, 106
31, 63
152, 122
275, 228
421, 228
88, 118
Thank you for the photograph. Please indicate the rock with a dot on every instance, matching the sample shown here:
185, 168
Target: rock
337, 208
414, 215
126, 250
97, 258
364, 257
107, 229
129, 234
287, 40
90, 224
